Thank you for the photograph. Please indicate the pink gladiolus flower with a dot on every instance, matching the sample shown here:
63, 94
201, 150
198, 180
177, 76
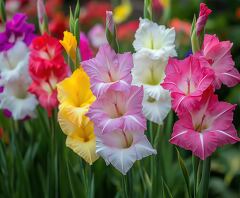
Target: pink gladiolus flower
109, 70
205, 127
218, 55
202, 18
119, 110
85, 49
186, 80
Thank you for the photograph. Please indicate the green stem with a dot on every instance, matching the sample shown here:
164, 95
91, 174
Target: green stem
124, 186
203, 191
195, 164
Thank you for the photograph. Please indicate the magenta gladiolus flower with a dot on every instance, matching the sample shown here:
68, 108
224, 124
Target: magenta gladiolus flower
218, 55
16, 29
186, 80
116, 110
109, 70
205, 127
85, 49
202, 18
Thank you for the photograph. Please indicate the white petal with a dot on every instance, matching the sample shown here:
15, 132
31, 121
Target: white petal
149, 73
17, 100
123, 158
156, 110
14, 62
155, 41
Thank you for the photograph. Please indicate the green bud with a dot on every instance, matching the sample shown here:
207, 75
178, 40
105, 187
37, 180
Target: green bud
148, 9
3, 11
77, 11
111, 31
71, 21
77, 30
194, 38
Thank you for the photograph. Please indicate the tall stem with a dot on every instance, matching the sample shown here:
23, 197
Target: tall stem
203, 191
195, 164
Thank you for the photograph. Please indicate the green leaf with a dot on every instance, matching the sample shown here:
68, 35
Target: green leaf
184, 172
166, 189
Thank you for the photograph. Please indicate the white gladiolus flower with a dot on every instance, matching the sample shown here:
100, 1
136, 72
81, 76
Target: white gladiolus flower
150, 74
155, 41
156, 110
122, 149
16, 99
14, 62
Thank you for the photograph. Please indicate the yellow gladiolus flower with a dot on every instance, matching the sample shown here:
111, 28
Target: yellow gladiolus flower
165, 3
122, 12
75, 95
81, 139
69, 43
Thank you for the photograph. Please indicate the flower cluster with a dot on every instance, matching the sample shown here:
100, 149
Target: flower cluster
117, 111
75, 97
204, 122
15, 99
46, 67
154, 45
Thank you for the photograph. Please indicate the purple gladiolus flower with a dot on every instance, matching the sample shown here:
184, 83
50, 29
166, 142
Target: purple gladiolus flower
16, 29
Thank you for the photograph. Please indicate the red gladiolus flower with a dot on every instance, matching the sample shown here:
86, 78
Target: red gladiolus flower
126, 31
58, 25
46, 68
94, 12
1, 133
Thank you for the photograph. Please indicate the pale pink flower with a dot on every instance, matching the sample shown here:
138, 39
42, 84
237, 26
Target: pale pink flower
122, 148
202, 18
205, 127
218, 55
186, 80
97, 36
109, 70
119, 110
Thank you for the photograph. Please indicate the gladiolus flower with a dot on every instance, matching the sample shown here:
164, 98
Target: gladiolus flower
122, 12
97, 36
69, 43
94, 12
58, 25
14, 62
1, 133
109, 70
218, 55
202, 18
16, 30
150, 74
155, 41
118, 110
206, 127
16, 100
85, 49
47, 68
122, 148
186, 80
80, 138
75, 95
126, 31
